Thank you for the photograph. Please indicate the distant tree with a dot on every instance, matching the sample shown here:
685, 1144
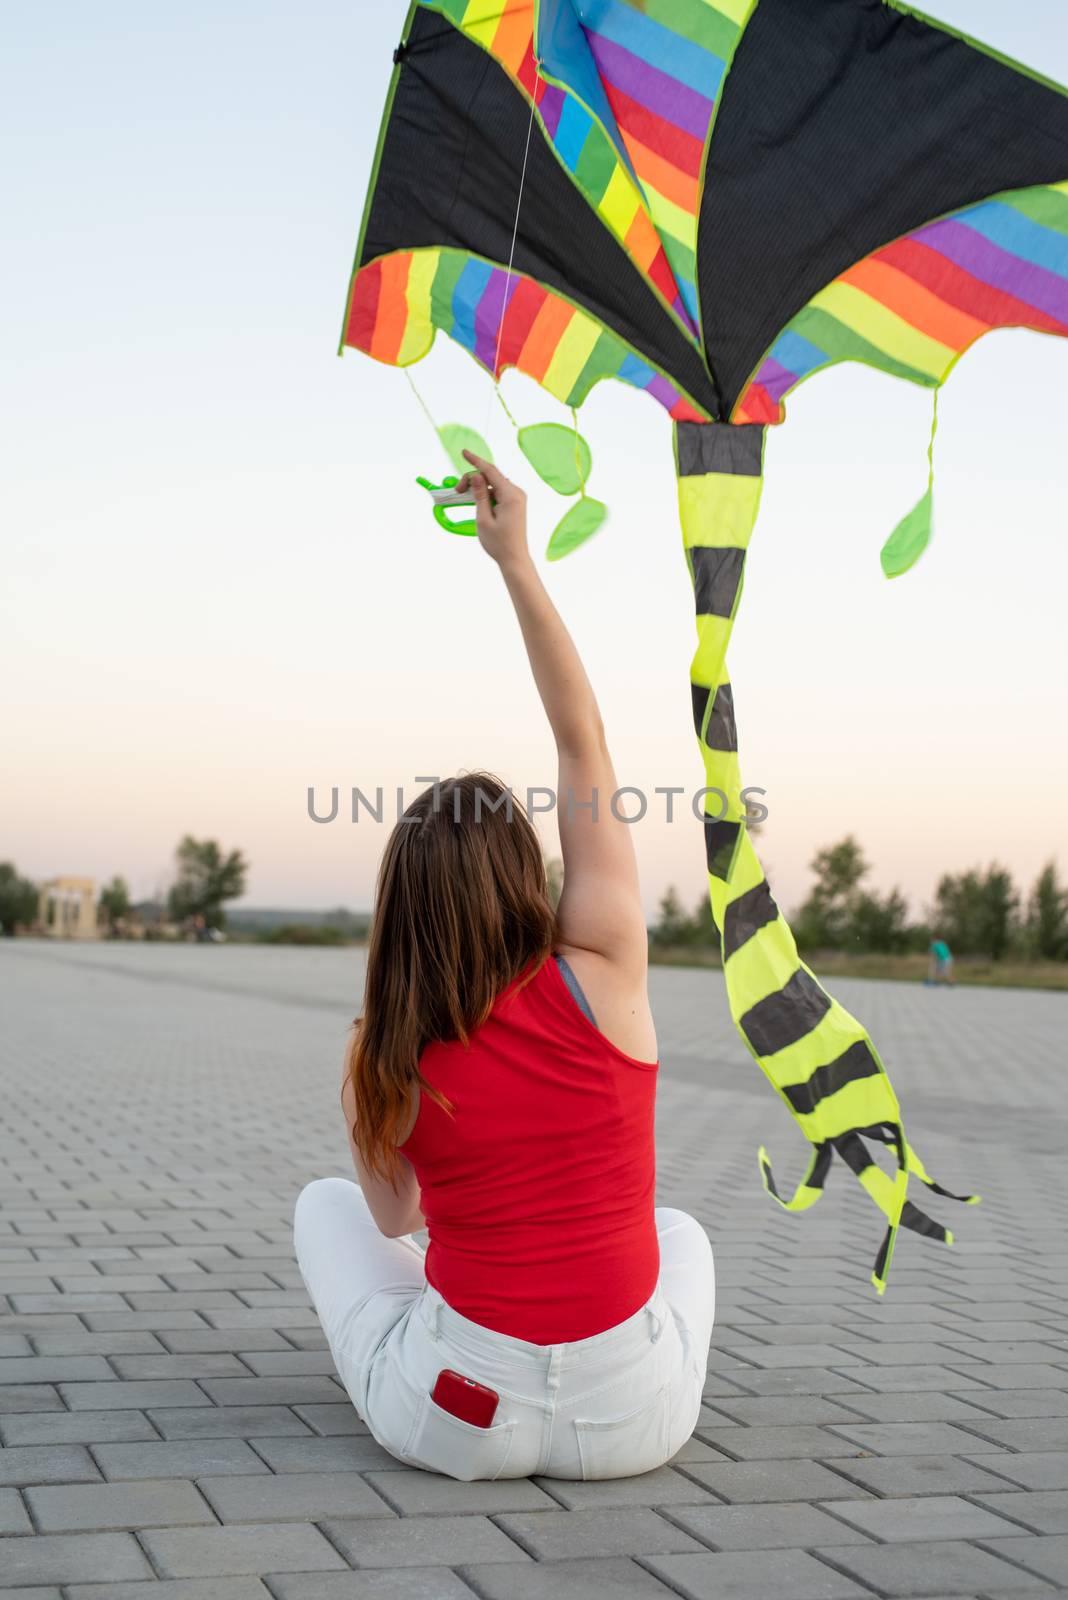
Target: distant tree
703, 924
879, 923
1047, 916
1001, 904
673, 926
823, 920
976, 912
114, 902
18, 900
206, 880
958, 912
841, 915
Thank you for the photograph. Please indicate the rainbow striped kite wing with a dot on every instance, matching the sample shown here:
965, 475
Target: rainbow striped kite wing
914, 307
399, 302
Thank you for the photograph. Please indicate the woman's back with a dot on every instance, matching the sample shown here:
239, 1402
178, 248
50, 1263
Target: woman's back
538, 1189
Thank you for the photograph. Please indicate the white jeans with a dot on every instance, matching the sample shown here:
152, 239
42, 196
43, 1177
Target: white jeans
619, 1403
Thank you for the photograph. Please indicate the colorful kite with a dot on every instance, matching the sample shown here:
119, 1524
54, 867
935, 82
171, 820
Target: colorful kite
712, 200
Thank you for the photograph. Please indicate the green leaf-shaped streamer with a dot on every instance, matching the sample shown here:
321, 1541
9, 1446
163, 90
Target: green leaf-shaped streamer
560, 456
457, 437
576, 526
909, 539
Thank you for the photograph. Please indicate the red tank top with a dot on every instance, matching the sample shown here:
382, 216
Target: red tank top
538, 1190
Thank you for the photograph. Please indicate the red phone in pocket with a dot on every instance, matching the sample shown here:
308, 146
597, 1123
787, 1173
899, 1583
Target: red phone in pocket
464, 1398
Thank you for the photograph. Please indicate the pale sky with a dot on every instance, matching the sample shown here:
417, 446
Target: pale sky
222, 584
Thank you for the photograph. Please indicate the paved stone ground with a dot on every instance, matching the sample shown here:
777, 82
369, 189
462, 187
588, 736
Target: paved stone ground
172, 1428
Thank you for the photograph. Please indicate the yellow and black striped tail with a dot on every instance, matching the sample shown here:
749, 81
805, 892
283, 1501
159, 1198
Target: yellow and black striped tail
818, 1057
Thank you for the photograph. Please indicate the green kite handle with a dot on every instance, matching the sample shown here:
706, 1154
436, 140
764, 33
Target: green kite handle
469, 530
441, 517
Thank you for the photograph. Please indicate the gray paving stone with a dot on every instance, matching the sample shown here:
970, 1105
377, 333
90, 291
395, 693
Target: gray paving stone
948, 1566
190, 1341
177, 1458
414, 1493
13, 1518
95, 1344
781, 1444
409, 1583
1046, 1556
271, 1391
1025, 1403
290, 1363
613, 1531
925, 1517
178, 1589
1046, 1469
309, 1336
239, 1552
346, 1453
561, 1580
774, 1411
920, 1475
916, 1438
331, 1420
236, 1422
1029, 1433
1008, 1353
201, 1364
664, 1487
786, 1381
75, 1427
926, 1405
120, 1396
292, 1497
263, 1317
778, 1481
140, 1321
53, 1369
46, 1463
765, 1526
754, 1575
1039, 1511
72, 1558
806, 1355
43, 1303
1023, 1376
29, 1397
427, 1541
90, 1506
891, 1380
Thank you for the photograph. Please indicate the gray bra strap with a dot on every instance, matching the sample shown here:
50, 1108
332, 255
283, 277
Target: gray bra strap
575, 988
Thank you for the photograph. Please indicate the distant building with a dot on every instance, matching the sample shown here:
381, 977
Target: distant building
66, 908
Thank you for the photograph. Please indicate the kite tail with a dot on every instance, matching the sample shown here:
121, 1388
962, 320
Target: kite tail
818, 1057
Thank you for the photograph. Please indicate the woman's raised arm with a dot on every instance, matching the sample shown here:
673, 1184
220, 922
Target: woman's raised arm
600, 909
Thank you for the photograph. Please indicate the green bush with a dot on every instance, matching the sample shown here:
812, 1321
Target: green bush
304, 933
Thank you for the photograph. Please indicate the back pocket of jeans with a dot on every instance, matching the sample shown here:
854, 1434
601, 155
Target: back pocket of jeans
440, 1442
623, 1445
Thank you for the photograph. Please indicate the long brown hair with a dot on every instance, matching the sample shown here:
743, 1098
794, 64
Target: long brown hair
461, 910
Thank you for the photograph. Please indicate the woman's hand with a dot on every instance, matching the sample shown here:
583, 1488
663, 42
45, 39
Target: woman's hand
500, 511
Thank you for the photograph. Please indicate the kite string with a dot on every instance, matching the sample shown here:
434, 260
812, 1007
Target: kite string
422, 403
931, 445
515, 232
